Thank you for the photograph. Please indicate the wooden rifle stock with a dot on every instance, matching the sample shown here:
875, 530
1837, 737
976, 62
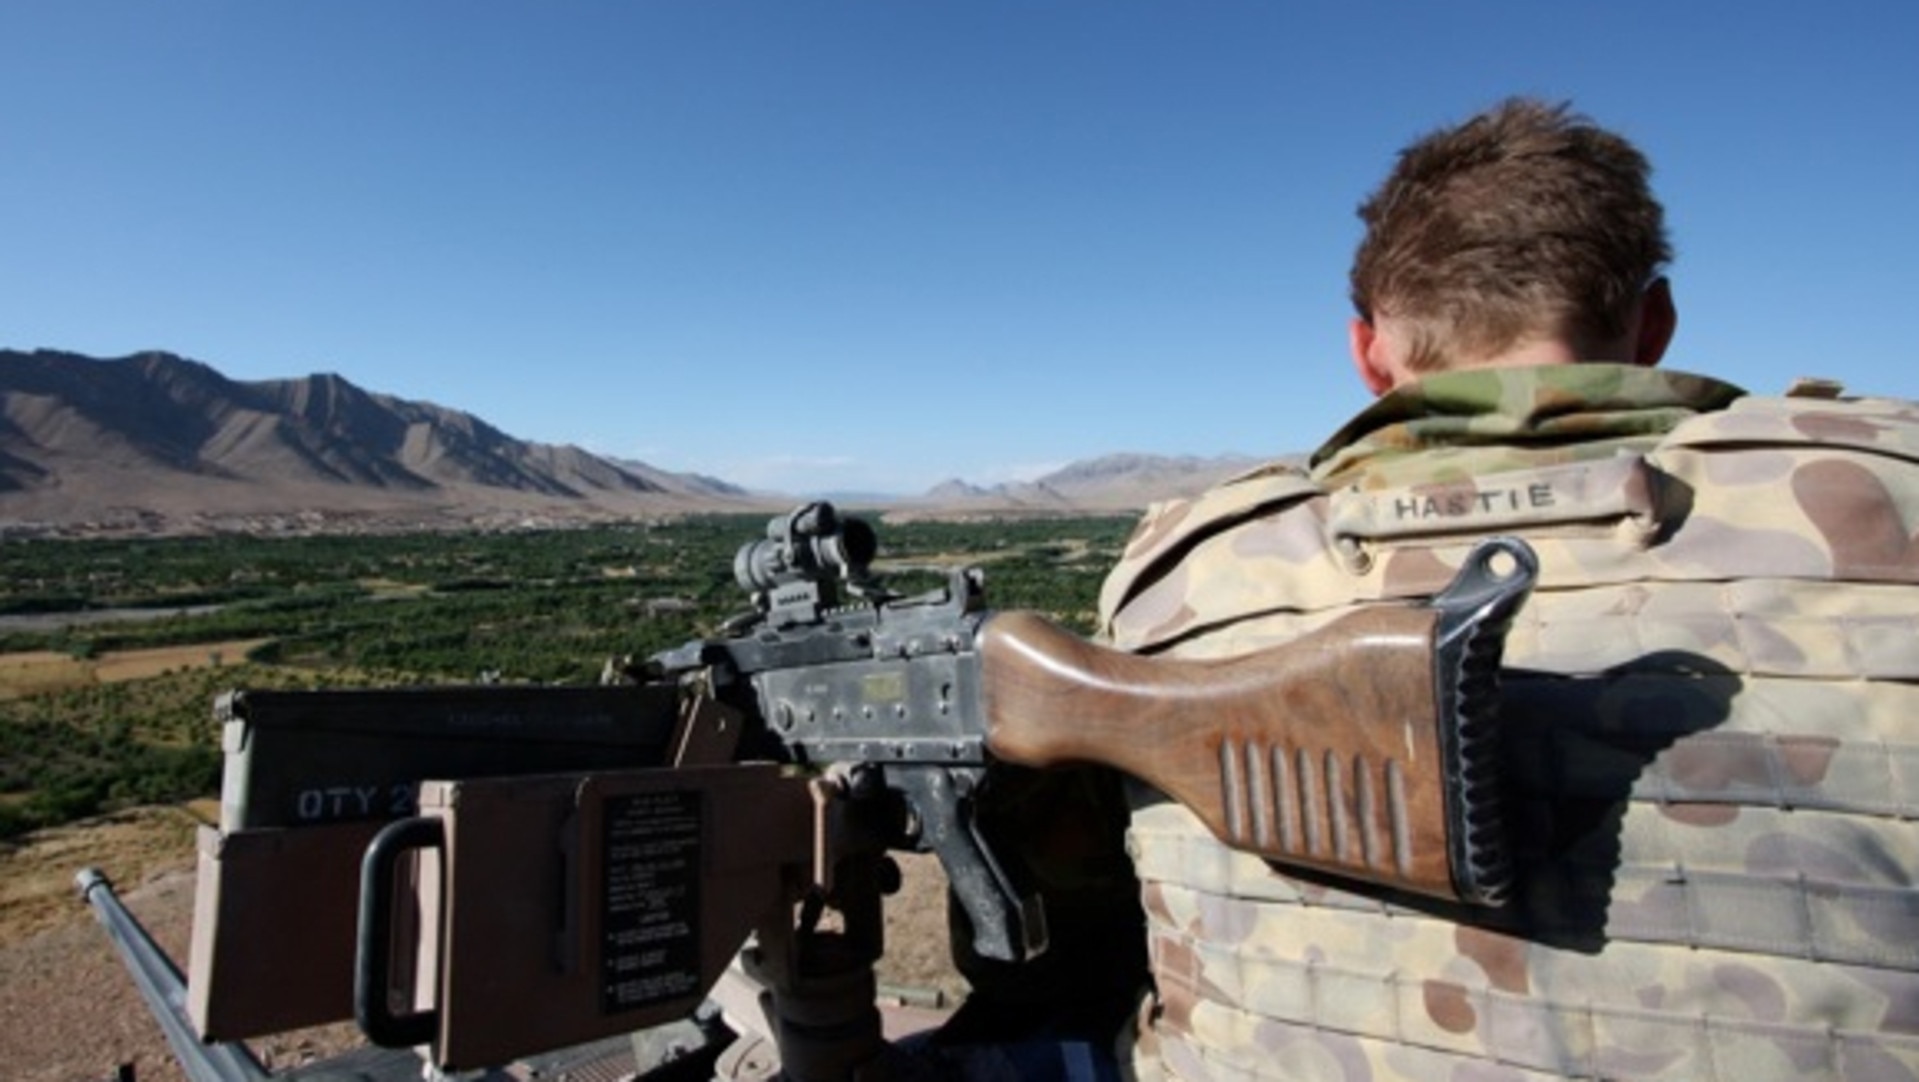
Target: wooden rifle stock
1367, 748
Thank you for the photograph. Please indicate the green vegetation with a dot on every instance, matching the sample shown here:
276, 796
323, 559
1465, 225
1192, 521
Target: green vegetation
540, 607
77, 752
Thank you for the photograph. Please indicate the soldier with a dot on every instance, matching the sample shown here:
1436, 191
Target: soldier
1711, 698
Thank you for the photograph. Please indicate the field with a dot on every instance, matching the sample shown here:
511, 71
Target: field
37, 672
111, 653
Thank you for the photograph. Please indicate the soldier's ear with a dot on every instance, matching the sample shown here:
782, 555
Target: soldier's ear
1368, 351
1658, 319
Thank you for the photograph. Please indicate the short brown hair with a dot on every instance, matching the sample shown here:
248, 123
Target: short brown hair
1526, 220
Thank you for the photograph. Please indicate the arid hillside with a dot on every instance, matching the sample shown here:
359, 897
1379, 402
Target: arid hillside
154, 443
158, 443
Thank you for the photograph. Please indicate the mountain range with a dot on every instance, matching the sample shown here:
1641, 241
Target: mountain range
157, 443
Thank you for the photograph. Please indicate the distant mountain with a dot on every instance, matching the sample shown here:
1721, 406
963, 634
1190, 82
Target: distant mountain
158, 442
690, 483
1119, 482
956, 491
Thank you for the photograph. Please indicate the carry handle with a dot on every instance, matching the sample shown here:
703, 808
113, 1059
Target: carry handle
373, 960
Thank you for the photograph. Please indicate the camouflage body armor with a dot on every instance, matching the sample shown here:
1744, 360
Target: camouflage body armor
1713, 715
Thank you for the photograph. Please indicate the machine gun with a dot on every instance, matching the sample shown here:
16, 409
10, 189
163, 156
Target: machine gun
491, 871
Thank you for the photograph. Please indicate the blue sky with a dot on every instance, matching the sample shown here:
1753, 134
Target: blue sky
815, 245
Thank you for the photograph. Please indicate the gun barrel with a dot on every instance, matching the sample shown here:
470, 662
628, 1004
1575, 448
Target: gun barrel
165, 992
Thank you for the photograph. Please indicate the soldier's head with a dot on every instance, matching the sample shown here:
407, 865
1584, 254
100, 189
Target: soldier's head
1526, 235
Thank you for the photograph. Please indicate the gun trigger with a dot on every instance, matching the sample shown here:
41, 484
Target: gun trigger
1008, 926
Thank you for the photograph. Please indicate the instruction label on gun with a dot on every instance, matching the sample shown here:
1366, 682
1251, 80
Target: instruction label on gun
650, 949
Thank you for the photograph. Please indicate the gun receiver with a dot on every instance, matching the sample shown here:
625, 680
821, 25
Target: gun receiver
1366, 749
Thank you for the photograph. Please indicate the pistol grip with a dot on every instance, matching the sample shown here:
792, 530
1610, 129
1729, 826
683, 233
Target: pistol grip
1008, 925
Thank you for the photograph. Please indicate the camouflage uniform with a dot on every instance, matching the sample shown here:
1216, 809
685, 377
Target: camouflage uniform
1713, 708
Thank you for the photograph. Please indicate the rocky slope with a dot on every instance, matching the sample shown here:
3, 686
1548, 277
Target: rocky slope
157, 443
